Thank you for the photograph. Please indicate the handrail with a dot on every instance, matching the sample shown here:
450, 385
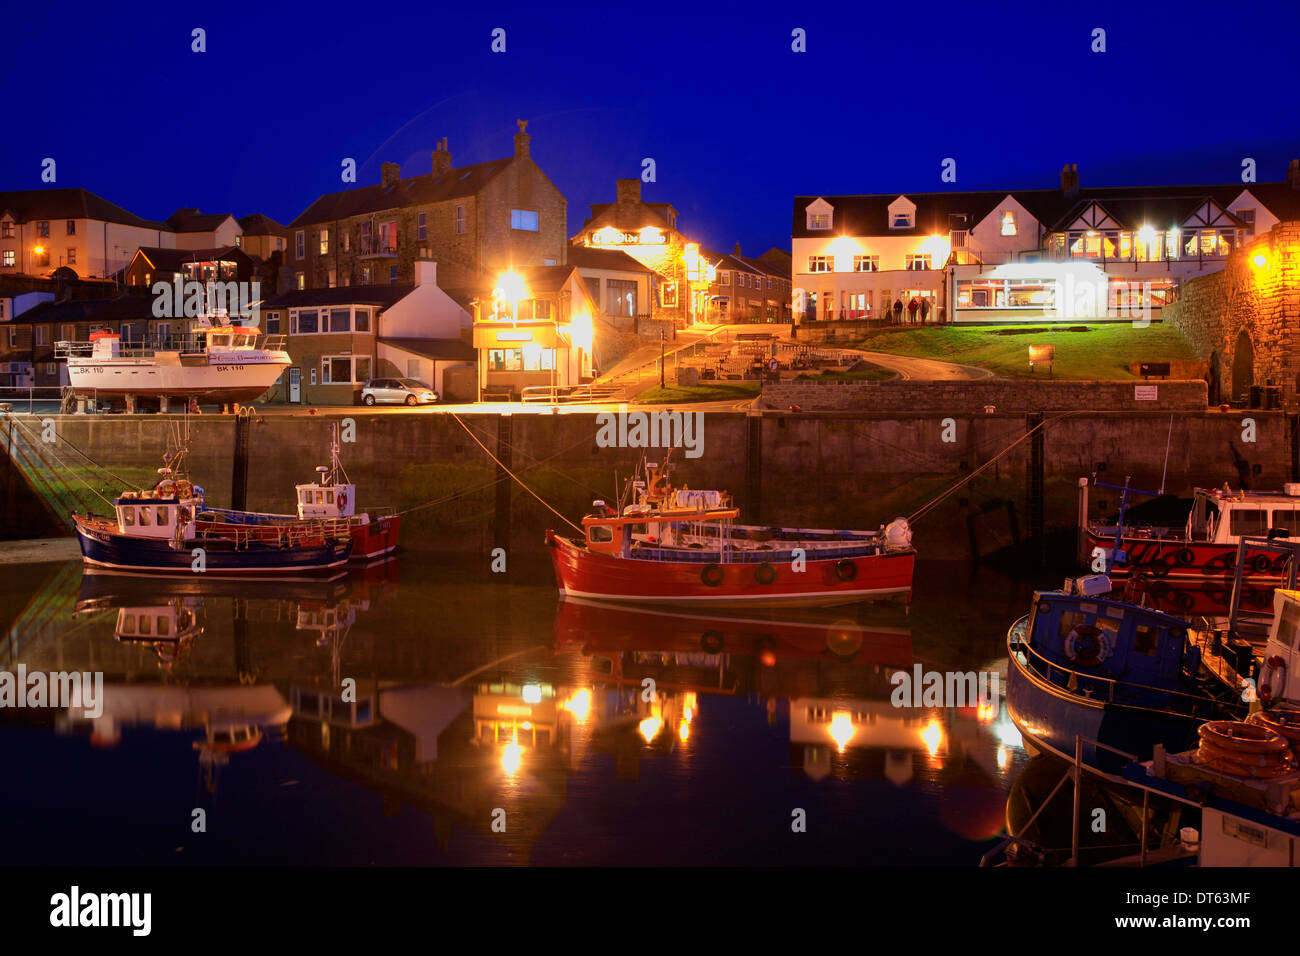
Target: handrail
1110, 682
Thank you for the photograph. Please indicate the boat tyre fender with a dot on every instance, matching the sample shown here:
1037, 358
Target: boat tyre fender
711, 642
1272, 677
1087, 646
846, 570
711, 575
765, 573
1236, 736
1260, 564
1184, 557
1183, 600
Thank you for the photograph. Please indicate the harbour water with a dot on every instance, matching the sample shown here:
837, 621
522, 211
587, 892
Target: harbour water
425, 711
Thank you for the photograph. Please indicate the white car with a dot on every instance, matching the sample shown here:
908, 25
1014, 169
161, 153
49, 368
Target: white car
397, 391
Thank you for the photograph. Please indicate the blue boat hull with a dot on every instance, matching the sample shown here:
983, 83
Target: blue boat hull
156, 555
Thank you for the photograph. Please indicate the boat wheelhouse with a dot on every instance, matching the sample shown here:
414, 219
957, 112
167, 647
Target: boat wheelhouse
214, 363
1113, 678
1201, 546
684, 546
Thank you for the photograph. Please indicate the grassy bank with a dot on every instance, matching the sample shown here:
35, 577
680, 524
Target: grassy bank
1084, 352
711, 392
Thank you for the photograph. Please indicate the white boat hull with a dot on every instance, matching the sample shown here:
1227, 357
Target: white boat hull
218, 378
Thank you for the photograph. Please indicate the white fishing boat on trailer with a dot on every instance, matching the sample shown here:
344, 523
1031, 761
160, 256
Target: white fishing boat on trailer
213, 363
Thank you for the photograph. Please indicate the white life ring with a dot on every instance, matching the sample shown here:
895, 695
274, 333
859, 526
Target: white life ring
1088, 646
167, 488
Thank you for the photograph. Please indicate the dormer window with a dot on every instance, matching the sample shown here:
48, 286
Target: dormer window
819, 220
902, 219
1008, 222
819, 215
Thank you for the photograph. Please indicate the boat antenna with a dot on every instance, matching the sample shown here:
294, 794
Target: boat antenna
1168, 440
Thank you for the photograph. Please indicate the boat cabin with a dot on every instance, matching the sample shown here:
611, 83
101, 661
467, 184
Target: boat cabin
166, 511
324, 499
1222, 516
231, 337
1278, 676
1092, 643
171, 622
608, 532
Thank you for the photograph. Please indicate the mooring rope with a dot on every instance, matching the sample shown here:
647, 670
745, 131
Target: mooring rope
22, 428
518, 480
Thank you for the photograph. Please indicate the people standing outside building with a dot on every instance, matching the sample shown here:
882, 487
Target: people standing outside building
925, 311
898, 311
912, 308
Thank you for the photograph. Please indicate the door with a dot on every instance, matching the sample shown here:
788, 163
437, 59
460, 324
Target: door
295, 385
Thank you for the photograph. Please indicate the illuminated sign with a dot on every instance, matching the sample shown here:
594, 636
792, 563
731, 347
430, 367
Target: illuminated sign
609, 236
514, 336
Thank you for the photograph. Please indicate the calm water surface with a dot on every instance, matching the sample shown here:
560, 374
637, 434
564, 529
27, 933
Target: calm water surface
482, 701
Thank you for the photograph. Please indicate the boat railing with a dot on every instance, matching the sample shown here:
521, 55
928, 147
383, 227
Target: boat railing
731, 555
1128, 693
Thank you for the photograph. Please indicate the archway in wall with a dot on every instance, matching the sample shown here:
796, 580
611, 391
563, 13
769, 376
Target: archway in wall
1243, 369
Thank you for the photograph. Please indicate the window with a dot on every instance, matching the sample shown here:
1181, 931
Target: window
523, 219
43, 256
1248, 217
460, 220
620, 297
900, 220
42, 334
300, 244
866, 263
303, 322
72, 227
363, 320
668, 294
128, 517
957, 239
279, 243
8, 258
331, 278
421, 227
505, 360
67, 333
819, 220
365, 275
6, 230
392, 275
302, 281
335, 371
239, 241
324, 242
1248, 521
345, 241
724, 278
362, 366
339, 320
821, 264
549, 262
917, 263
71, 258
1008, 222
273, 323
43, 229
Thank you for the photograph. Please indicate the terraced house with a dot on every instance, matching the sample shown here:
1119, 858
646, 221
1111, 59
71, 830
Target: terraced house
475, 221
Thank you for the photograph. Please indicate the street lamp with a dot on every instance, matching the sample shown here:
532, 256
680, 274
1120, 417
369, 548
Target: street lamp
510, 287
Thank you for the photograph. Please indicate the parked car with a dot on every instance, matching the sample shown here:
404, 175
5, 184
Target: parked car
397, 391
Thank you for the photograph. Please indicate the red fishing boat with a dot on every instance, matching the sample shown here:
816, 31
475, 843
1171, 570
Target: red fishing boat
331, 500
679, 546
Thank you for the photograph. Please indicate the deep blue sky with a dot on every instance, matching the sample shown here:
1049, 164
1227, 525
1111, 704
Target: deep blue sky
737, 123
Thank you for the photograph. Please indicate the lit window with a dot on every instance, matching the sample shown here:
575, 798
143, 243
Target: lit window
1008, 222
820, 263
8, 259
917, 263
866, 263
819, 220
302, 281
900, 220
324, 242
523, 219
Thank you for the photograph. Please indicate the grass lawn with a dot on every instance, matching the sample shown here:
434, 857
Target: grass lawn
873, 374
712, 392
1098, 352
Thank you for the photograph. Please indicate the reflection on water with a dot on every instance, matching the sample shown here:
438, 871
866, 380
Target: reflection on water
419, 712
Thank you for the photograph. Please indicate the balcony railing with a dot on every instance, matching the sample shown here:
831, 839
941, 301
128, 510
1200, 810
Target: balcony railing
381, 247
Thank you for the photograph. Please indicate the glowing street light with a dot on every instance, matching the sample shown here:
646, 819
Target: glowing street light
1260, 260
510, 287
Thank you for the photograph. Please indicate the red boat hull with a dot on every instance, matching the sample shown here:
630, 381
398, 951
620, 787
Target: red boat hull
369, 541
1179, 559
587, 574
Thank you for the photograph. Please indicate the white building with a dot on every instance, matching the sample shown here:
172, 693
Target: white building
1029, 255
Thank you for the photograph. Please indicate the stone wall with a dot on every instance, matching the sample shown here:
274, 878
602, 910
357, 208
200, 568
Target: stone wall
1245, 319
971, 397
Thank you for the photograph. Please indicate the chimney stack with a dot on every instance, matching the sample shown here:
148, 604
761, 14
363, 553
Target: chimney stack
628, 192
1070, 179
1293, 174
521, 139
737, 252
441, 159
390, 173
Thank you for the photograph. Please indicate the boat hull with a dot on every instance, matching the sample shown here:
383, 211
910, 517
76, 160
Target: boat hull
156, 556
1180, 559
370, 540
585, 574
214, 380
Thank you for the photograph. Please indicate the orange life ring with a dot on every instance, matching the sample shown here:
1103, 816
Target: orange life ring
1240, 737
166, 488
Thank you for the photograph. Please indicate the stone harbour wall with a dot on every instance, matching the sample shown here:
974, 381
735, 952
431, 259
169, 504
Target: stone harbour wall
971, 397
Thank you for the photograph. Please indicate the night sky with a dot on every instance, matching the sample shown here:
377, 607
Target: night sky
737, 123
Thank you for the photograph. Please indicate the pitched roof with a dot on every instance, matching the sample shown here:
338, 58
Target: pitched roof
767, 266
413, 191
171, 260
191, 220
26, 205
593, 257
256, 224
382, 295
457, 350
130, 306
734, 263
537, 280
629, 216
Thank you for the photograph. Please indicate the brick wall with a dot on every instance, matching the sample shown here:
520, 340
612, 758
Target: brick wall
960, 397
1244, 320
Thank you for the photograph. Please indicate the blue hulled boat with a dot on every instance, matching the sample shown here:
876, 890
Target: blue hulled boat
154, 531
1115, 674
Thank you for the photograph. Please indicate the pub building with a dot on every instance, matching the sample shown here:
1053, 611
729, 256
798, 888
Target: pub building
533, 328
